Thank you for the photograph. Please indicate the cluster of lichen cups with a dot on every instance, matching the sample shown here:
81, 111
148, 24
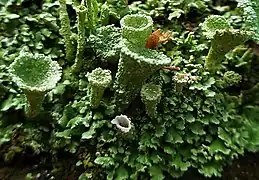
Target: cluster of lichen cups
37, 74
223, 39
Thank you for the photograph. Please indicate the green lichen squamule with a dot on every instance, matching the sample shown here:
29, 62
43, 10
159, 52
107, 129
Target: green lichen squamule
151, 96
35, 74
81, 15
99, 80
136, 65
65, 31
136, 28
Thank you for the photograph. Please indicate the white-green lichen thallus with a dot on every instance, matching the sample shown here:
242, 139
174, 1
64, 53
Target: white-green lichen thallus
136, 65
223, 39
136, 28
81, 16
35, 74
123, 123
65, 31
99, 80
151, 96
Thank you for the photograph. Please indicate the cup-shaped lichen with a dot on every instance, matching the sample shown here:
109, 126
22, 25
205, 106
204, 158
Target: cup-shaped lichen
136, 65
223, 39
122, 122
35, 75
151, 96
99, 80
136, 28
223, 42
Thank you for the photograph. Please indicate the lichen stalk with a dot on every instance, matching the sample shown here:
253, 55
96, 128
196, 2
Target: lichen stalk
34, 103
65, 30
81, 15
95, 13
222, 42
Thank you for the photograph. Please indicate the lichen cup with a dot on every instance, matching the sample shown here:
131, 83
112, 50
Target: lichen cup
136, 66
151, 96
136, 28
35, 75
99, 80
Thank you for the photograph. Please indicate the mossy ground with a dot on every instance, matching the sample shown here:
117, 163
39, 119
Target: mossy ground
45, 149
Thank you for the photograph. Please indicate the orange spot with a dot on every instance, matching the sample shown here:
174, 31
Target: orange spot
156, 37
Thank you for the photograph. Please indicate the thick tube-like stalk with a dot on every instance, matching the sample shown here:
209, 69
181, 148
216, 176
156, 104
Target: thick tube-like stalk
222, 42
34, 103
65, 30
81, 15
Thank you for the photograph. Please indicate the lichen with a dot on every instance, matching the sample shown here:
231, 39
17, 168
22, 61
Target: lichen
99, 80
136, 65
35, 74
65, 31
81, 15
122, 122
151, 96
223, 39
136, 28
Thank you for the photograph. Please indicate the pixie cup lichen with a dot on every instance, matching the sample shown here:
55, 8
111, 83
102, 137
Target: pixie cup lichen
136, 28
151, 96
35, 75
223, 39
136, 65
99, 80
123, 123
